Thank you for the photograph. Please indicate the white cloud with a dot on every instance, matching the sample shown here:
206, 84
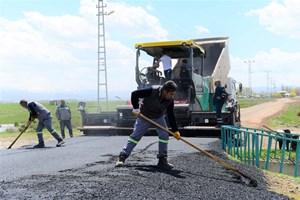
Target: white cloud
134, 22
279, 65
121, 62
53, 54
201, 29
149, 7
39, 53
280, 18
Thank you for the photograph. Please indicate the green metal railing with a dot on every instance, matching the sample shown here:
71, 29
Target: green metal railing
254, 146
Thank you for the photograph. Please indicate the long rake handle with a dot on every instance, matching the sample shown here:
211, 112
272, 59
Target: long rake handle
274, 132
193, 145
268, 128
25, 128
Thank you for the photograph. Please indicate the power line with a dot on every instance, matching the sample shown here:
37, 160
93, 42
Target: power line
249, 62
102, 69
268, 80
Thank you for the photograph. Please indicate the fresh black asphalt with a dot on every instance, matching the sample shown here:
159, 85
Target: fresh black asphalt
84, 169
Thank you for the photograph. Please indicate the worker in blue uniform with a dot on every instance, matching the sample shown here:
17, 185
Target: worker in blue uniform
37, 110
156, 101
219, 98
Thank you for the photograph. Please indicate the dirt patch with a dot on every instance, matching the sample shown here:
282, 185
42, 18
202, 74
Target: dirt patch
283, 185
258, 115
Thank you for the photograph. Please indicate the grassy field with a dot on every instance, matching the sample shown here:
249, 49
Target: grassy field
287, 119
13, 113
244, 103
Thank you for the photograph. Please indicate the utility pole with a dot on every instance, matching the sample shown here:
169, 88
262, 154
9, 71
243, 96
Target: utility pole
268, 80
102, 69
272, 86
249, 62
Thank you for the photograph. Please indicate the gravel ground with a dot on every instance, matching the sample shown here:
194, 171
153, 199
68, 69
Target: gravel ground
195, 177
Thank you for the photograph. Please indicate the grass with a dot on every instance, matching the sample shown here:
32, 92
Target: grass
275, 156
245, 102
13, 113
288, 118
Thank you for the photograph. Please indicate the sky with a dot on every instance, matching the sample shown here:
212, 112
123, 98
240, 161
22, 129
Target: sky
48, 48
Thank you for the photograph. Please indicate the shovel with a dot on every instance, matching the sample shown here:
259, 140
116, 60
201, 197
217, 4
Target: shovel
246, 179
25, 128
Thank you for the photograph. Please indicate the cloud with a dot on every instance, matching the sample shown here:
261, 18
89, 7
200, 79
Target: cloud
134, 22
42, 53
56, 54
201, 29
273, 67
280, 18
121, 71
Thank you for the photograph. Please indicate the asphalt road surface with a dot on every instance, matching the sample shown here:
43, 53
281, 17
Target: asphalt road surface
84, 169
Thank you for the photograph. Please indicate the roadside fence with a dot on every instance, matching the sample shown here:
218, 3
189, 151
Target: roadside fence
267, 149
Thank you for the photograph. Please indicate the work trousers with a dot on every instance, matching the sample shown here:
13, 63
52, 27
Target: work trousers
63, 124
46, 122
140, 128
219, 106
167, 74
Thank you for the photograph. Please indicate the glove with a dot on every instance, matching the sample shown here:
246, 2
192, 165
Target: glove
32, 117
136, 111
298, 114
177, 135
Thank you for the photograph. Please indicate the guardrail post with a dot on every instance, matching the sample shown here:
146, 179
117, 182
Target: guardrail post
252, 147
268, 152
257, 150
282, 155
297, 159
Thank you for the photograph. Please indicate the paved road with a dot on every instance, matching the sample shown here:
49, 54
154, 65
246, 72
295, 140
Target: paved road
79, 151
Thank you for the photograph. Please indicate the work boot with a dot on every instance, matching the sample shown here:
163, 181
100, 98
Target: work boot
60, 142
39, 145
121, 161
163, 163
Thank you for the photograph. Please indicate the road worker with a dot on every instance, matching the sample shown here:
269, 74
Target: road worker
156, 101
37, 110
63, 114
167, 64
219, 98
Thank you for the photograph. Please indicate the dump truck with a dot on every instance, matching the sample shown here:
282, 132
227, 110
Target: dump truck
206, 59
